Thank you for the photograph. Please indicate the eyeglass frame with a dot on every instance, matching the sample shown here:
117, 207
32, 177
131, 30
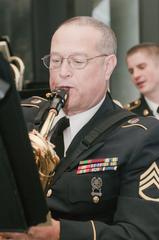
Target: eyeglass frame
69, 62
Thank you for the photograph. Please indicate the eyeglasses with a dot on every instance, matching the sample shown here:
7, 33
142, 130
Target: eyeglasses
75, 61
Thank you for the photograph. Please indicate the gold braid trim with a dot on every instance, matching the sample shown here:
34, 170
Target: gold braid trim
94, 230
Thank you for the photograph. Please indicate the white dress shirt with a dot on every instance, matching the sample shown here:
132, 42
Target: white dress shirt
77, 121
153, 106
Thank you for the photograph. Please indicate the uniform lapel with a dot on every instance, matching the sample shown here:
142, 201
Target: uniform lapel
80, 151
142, 108
145, 107
77, 150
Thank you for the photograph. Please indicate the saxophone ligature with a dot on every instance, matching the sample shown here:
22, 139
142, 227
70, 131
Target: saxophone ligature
45, 156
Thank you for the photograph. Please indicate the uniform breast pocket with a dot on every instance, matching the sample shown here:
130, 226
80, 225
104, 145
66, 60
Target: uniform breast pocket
92, 187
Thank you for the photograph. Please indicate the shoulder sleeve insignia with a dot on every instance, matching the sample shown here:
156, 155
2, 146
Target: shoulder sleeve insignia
149, 184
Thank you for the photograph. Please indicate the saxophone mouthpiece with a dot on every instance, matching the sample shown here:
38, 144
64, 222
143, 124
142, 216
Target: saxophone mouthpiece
58, 98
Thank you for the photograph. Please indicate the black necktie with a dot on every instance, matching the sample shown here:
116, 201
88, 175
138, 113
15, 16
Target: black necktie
57, 136
158, 110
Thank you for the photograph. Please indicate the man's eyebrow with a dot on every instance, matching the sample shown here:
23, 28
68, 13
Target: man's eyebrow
73, 53
141, 64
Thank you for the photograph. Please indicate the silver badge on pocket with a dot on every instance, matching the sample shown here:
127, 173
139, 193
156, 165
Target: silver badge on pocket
96, 183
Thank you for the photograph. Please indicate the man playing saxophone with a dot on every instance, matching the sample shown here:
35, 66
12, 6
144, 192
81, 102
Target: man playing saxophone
106, 184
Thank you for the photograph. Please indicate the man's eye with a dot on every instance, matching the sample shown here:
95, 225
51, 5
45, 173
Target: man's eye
142, 67
76, 60
131, 71
56, 60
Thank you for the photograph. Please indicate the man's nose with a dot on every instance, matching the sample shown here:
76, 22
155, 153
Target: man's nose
65, 68
136, 73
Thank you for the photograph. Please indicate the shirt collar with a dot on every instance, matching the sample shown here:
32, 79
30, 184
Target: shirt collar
77, 122
153, 106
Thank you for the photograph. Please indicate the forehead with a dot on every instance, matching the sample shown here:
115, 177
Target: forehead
140, 57
73, 37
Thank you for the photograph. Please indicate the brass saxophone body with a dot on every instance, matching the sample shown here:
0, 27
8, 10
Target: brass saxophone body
45, 155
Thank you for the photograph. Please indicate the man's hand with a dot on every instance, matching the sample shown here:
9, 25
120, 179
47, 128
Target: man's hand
51, 232
13, 236
45, 232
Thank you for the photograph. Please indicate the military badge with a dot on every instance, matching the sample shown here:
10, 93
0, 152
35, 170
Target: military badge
149, 184
133, 105
133, 120
97, 165
36, 101
96, 183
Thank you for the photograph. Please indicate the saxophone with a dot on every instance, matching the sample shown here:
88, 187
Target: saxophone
45, 156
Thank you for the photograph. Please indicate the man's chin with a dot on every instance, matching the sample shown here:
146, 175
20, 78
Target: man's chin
144, 92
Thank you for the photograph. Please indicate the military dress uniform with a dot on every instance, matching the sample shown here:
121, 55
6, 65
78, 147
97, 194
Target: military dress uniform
139, 107
107, 188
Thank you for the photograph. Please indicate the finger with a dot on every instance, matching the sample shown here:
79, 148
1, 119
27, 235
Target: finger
13, 236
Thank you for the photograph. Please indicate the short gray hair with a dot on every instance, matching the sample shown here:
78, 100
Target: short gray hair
108, 43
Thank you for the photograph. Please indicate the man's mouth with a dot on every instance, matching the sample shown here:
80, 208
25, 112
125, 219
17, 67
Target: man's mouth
65, 88
140, 84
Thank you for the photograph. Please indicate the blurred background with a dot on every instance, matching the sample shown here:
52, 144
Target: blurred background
29, 24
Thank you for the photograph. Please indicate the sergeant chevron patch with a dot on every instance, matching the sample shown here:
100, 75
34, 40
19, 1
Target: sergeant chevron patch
149, 184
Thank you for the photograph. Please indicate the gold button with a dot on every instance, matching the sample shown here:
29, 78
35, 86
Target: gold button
95, 199
145, 112
49, 193
136, 102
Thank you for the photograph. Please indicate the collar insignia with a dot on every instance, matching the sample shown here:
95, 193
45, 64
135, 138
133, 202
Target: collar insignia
35, 101
133, 120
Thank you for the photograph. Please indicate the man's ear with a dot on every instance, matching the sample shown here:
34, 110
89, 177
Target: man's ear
110, 63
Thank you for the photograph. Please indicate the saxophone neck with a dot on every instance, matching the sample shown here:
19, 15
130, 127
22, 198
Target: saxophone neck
48, 123
58, 98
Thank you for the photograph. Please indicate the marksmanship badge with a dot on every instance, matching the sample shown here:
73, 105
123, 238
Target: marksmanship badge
96, 183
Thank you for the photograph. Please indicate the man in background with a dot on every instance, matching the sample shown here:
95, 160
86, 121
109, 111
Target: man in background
143, 66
